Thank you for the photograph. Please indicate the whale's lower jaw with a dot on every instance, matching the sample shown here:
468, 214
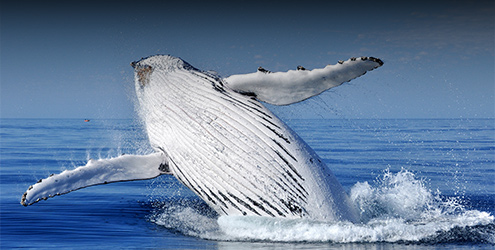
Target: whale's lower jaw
232, 151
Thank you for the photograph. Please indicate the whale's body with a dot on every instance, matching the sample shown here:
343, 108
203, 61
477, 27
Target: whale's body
216, 138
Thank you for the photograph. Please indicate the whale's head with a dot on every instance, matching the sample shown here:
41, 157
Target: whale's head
145, 67
172, 95
164, 80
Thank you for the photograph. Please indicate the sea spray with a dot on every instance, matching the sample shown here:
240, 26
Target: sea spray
190, 217
395, 208
398, 195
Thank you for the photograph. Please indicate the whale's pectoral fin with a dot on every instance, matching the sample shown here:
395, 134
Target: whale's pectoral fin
283, 88
96, 172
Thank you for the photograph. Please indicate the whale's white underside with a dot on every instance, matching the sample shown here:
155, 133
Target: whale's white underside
215, 137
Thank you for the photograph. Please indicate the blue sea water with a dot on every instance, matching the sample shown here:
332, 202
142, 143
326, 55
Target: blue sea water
418, 183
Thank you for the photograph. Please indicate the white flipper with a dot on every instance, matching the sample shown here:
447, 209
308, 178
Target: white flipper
283, 88
96, 172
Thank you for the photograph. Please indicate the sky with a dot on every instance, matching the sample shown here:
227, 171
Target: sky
70, 59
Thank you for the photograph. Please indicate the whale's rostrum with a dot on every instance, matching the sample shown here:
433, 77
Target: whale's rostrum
217, 138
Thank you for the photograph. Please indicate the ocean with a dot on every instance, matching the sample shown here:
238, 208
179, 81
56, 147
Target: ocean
418, 184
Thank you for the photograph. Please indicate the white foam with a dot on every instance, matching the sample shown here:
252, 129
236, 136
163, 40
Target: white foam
189, 221
398, 195
398, 207
376, 230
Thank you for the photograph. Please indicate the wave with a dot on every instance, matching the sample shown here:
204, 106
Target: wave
397, 207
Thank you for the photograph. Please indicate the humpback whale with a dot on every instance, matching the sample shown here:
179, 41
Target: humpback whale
217, 138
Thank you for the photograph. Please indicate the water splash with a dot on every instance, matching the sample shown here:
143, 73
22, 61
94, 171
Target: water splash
190, 217
396, 208
401, 196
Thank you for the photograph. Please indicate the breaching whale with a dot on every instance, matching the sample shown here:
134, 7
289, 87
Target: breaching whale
217, 138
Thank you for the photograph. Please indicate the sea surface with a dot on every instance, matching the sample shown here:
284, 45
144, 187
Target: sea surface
418, 184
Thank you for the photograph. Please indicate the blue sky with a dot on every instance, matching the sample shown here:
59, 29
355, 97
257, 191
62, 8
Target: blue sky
70, 59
